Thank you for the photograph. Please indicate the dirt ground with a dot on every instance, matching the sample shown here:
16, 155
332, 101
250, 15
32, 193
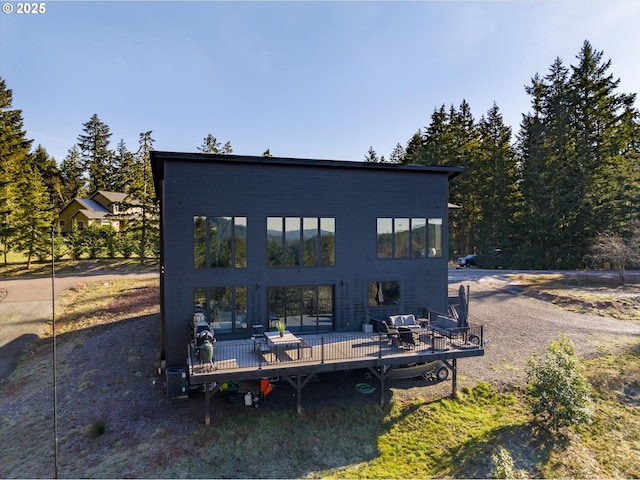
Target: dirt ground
110, 374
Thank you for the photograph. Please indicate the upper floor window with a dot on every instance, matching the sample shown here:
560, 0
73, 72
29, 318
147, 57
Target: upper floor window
435, 237
300, 241
219, 242
408, 237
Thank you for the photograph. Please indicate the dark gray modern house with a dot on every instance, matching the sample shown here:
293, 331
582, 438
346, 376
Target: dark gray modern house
323, 245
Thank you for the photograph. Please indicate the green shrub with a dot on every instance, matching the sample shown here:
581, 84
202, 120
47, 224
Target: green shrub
503, 466
559, 393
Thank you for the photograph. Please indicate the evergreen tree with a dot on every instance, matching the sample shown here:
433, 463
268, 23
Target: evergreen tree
267, 153
34, 213
415, 150
497, 169
559, 393
95, 154
535, 192
211, 144
51, 175
579, 155
465, 151
452, 139
72, 176
14, 150
437, 141
605, 125
397, 154
145, 225
123, 168
371, 156
75, 242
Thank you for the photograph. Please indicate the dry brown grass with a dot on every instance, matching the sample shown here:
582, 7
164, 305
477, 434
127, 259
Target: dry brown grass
584, 292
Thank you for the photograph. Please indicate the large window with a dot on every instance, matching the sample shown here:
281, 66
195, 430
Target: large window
300, 241
225, 308
408, 237
219, 242
302, 308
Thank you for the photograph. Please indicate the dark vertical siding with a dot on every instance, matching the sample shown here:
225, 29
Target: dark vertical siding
355, 197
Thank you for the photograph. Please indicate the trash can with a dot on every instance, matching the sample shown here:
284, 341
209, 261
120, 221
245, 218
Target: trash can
177, 382
438, 343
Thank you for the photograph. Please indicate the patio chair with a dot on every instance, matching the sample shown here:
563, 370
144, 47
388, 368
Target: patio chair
406, 338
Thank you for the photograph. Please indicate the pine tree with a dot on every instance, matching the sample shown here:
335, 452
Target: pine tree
51, 175
497, 167
605, 126
578, 162
371, 156
95, 154
14, 150
535, 218
123, 168
75, 242
33, 215
71, 173
437, 147
397, 154
144, 225
211, 144
415, 149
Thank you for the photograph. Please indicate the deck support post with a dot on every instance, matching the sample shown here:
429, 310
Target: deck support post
208, 393
298, 385
454, 377
380, 375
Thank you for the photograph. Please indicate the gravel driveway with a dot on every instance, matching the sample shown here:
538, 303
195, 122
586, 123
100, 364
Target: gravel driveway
515, 327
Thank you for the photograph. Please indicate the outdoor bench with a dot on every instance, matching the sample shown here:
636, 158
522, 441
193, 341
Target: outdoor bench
445, 326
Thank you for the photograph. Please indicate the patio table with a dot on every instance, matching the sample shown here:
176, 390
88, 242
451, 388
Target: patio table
280, 344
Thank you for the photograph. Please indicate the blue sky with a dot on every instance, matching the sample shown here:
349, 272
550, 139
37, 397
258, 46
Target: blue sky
305, 79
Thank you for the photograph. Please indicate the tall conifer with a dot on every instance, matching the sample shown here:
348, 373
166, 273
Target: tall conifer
95, 154
14, 151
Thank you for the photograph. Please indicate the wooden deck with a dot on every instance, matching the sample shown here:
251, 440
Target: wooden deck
327, 352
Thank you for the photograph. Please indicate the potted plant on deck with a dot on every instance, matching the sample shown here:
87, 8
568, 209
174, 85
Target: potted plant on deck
367, 326
281, 326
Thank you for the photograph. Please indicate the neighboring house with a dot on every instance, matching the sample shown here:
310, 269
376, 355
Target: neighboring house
102, 208
322, 245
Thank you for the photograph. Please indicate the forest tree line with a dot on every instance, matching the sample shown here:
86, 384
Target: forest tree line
542, 199
569, 179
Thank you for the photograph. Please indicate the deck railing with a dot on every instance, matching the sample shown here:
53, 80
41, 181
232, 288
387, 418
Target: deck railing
318, 349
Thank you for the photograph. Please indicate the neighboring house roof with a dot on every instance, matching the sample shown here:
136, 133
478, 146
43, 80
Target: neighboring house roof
92, 205
91, 213
113, 197
100, 205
